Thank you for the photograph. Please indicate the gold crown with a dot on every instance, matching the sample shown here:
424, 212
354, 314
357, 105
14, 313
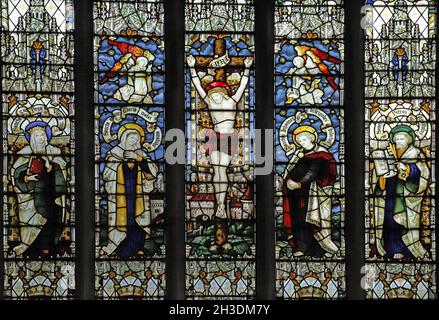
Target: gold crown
44, 288
400, 293
37, 128
311, 292
130, 291
40, 291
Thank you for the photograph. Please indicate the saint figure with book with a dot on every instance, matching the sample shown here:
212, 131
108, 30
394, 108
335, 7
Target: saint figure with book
39, 180
401, 181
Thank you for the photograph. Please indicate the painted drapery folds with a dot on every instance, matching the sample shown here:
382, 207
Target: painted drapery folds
309, 149
220, 202
400, 149
129, 152
38, 110
38, 149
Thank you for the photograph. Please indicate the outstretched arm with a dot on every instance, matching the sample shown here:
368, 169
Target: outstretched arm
195, 78
244, 80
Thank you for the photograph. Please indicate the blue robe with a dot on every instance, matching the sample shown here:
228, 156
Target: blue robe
392, 231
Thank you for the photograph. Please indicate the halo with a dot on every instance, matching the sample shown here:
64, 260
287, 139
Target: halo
402, 128
326, 128
386, 116
301, 129
36, 124
131, 126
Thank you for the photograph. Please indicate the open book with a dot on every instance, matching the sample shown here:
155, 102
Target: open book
382, 164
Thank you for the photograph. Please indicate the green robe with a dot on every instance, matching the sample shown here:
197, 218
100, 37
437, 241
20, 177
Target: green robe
40, 211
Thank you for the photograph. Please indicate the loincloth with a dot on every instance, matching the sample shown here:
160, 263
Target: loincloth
227, 143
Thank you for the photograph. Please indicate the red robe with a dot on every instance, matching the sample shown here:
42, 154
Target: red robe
321, 168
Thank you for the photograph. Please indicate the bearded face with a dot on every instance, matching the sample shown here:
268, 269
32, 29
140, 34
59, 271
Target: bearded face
38, 142
402, 140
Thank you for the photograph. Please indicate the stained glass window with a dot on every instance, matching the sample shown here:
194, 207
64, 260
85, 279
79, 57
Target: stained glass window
220, 202
38, 149
129, 154
40, 190
400, 61
309, 149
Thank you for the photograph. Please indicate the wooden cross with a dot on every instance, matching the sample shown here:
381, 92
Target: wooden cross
219, 51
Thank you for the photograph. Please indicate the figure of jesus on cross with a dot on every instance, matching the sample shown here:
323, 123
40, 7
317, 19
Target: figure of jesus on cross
222, 105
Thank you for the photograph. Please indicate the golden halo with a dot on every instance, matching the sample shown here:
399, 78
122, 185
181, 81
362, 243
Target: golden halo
301, 129
131, 126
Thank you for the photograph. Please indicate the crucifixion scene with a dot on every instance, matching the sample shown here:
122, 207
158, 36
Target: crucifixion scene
219, 103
